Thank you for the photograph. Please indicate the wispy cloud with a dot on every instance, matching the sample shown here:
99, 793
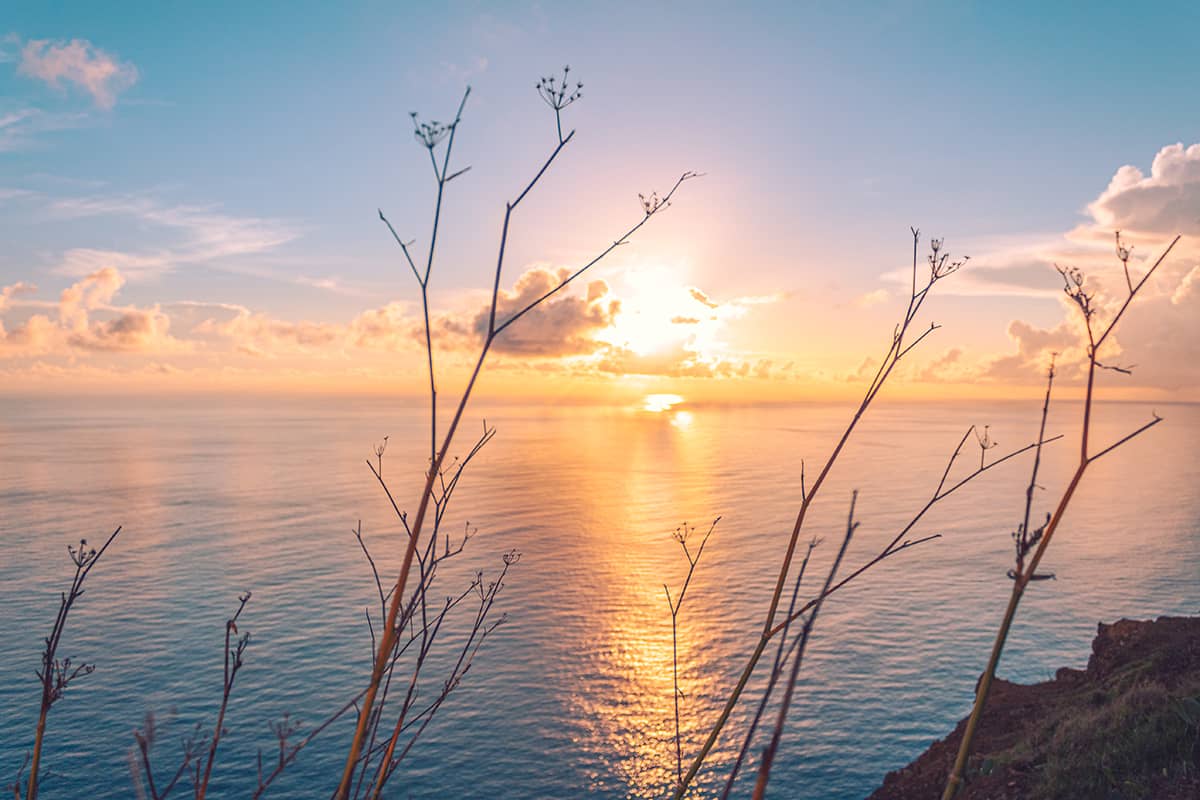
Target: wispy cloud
204, 233
78, 63
19, 127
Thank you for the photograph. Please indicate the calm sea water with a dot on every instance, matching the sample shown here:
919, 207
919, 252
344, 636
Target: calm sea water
572, 697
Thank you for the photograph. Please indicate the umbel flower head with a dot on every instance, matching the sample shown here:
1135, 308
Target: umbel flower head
428, 133
558, 93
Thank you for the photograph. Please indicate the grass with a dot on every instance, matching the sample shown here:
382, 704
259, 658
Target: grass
1129, 737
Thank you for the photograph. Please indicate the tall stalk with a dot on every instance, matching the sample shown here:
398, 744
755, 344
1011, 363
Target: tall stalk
681, 535
1024, 573
940, 266
57, 674
558, 95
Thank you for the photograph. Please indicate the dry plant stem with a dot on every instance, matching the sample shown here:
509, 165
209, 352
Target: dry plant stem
1022, 578
897, 545
56, 675
939, 268
428, 632
479, 632
144, 741
389, 634
233, 663
681, 535
776, 672
442, 177
290, 755
764, 770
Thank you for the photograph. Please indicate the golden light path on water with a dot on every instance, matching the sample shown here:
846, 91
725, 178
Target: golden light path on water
633, 719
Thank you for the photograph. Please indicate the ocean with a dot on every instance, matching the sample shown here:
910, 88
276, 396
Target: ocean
572, 696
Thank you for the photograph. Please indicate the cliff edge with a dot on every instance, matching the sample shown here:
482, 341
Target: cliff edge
1128, 726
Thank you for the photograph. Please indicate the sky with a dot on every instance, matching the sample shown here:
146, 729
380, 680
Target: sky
190, 195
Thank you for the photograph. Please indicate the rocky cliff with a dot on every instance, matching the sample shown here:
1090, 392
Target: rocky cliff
1126, 727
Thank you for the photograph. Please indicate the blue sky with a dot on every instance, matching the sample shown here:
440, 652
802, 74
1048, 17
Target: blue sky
824, 129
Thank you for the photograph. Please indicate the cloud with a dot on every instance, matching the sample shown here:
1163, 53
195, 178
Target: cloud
203, 234
80, 63
874, 298
20, 126
702, 298
14, 290
1160, 333
1163, 203
74, 325
390, 328
257, 334
562, 325
681, 362
94, 291
86, 331
136, 330
1035, 346
946, 367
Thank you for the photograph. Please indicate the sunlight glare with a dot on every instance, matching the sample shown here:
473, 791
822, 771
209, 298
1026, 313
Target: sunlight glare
658, 403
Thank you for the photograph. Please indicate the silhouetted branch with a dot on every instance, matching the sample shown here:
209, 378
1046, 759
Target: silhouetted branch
430, 135
681, 535
768, 758
940, 266
234, 649
57, 674
1023, 574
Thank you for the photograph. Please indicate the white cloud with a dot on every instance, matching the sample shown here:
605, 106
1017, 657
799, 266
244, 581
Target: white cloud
1163, 203
1160, 332
80, 63
76, 328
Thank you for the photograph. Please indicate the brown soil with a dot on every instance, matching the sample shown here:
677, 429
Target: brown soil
1140, 674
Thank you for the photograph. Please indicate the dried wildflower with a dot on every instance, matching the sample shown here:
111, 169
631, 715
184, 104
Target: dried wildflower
429, 133
1123, 253
652, 203
986, 442
940, 264
1073, 280
558, 92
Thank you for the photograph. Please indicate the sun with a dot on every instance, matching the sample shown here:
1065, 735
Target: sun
659, 403
660, 313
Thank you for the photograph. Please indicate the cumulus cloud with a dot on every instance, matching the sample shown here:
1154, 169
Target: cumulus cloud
1160, 333
574, 331
1163, 203
562, 325
79, 63
7, 293
85, 319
